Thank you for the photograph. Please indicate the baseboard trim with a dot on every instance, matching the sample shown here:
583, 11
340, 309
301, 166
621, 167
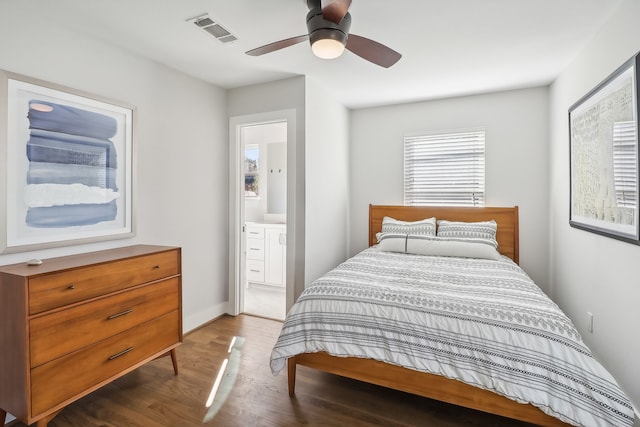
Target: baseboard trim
195, 320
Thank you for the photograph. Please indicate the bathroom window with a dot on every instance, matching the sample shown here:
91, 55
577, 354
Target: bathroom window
251, 171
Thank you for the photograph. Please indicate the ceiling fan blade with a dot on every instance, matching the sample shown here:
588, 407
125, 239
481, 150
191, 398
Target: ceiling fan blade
335, 10
271, 47
372, 51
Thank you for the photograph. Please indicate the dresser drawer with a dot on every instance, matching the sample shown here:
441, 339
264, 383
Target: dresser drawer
64, 378
255, 232
255, 249
255, 271
63, 332
66, 287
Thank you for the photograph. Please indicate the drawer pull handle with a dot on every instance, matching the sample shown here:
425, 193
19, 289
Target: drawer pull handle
254, 249
71, 287
122, 353
255, 271
156, 267
113, 316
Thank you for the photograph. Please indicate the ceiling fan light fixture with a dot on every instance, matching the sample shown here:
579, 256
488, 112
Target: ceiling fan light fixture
328, 39
327, 48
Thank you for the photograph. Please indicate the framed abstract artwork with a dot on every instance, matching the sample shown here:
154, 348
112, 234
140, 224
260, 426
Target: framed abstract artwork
603, 129
68, 162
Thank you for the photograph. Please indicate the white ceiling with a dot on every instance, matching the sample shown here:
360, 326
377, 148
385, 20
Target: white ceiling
449, 47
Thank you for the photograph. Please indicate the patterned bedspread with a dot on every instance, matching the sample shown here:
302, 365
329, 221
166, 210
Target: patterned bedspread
483, 322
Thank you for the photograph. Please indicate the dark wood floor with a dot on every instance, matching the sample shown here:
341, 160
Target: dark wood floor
250, 395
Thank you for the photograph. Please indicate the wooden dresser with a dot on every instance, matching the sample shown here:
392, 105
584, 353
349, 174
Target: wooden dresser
76, 323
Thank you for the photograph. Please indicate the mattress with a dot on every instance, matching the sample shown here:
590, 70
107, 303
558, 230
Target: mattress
483, 322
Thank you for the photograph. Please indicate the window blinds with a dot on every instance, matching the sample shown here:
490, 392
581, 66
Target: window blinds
444, 169
625, 160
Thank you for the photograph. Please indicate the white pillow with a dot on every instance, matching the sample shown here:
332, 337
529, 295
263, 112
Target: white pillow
439, 246
425, 226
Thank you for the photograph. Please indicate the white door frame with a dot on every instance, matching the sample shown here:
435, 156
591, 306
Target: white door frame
236, 202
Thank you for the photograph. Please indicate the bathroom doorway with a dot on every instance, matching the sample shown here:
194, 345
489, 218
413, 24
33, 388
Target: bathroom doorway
264, 219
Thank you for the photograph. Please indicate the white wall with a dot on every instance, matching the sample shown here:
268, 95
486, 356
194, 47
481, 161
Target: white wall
327, 182
256, 101
319, 178
516, 124
592, 273
180, 144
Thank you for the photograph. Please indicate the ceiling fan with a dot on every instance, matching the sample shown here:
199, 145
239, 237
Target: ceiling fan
328, 22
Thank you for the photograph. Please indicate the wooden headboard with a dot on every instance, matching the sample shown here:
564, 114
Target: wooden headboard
506, 218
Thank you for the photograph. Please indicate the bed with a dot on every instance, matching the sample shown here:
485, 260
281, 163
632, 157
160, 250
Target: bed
464, 367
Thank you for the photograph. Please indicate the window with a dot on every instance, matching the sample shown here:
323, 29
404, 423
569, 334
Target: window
445, 169
251, 171
624, 164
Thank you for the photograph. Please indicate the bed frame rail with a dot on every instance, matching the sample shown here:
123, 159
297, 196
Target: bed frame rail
421, 384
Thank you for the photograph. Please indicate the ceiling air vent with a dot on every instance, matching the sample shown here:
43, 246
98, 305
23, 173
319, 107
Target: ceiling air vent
214, 28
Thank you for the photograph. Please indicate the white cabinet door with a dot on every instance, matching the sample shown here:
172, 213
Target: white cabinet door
276, 248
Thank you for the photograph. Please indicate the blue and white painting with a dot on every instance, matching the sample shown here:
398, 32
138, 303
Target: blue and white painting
70, 161
69, 167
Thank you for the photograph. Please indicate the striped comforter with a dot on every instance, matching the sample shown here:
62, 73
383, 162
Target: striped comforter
482, 322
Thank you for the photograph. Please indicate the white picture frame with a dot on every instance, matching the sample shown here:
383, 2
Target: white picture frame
68, 162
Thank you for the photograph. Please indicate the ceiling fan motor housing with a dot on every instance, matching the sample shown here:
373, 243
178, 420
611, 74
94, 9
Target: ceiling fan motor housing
321, 29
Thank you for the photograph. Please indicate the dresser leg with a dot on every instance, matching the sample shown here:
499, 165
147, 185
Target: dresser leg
42, 422
174, 360
3, 417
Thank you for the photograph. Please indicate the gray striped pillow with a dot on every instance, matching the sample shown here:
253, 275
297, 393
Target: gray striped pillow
424, 226
473, 230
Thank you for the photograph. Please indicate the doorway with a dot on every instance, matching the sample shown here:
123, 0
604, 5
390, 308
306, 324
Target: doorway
294, 237
241, 134
264, 219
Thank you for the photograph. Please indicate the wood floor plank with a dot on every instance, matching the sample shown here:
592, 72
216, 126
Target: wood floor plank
249, 394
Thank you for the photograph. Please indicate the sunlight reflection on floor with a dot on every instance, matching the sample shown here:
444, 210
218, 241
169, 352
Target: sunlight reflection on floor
225, 379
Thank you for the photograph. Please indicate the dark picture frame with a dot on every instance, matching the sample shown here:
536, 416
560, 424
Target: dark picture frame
603, 143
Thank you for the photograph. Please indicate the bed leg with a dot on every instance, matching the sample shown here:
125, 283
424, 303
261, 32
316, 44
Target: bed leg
291, 375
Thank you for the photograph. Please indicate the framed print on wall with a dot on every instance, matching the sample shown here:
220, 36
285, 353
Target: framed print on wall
68, 161
604, 157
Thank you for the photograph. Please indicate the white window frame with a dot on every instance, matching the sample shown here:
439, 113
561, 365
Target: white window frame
445, 168
255, 174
